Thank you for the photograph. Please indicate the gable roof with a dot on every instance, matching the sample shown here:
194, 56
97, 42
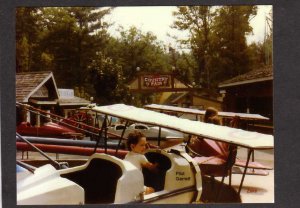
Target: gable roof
258, 75
28, 83
175, 97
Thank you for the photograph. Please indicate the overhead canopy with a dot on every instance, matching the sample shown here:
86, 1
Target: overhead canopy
239, 137
167, 108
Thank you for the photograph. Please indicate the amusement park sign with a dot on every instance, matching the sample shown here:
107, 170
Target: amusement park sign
156, 81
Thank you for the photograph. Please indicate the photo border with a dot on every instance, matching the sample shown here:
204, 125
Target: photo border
286, 92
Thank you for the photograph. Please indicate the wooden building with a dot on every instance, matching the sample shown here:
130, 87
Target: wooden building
39, 90
170, 90
68, 103
202, 99
251, 92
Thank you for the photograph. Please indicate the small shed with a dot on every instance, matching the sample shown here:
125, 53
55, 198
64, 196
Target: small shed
37, 89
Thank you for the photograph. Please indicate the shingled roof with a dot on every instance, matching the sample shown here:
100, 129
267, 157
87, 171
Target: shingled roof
258, 75
28, 83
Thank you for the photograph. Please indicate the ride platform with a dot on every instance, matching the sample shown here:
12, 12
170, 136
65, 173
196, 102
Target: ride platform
256, 188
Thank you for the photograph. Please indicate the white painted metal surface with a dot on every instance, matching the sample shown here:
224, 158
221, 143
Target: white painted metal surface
129, 186
46, 186
167, 108
239, 137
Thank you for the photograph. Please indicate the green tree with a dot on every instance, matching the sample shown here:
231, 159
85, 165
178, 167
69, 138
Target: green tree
261, 53
26, 37
23, 54
137, 49
256, 54
231, 26
108, 83
57, 40
90, 36
183, 65
197, 20
268, 41
70, 39
217, 40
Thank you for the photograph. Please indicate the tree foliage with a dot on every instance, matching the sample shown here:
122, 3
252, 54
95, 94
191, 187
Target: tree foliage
74, 43
198, 21
26, 37
217, 40
72, 37
231, 26
108, 80
134, 49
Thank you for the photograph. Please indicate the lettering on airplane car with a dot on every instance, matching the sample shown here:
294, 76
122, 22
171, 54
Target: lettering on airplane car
252, 190
180, 176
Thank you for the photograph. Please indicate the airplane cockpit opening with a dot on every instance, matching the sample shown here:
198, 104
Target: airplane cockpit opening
99, 180
156, 179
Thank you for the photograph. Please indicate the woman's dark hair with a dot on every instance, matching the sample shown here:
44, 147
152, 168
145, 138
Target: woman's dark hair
133, 138
210, 112
214, 120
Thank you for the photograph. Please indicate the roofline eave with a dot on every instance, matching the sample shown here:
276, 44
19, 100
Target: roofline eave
245, 82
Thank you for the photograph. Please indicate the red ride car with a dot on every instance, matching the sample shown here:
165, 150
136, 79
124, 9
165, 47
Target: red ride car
49, 129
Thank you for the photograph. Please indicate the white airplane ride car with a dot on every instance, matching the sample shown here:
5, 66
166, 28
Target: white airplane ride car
106, 179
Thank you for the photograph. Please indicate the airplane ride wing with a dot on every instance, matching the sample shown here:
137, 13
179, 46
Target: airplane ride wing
167, 108
226, 134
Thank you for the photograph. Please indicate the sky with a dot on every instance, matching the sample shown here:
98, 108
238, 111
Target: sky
158, 20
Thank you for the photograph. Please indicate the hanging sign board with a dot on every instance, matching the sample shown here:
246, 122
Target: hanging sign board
156, 81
